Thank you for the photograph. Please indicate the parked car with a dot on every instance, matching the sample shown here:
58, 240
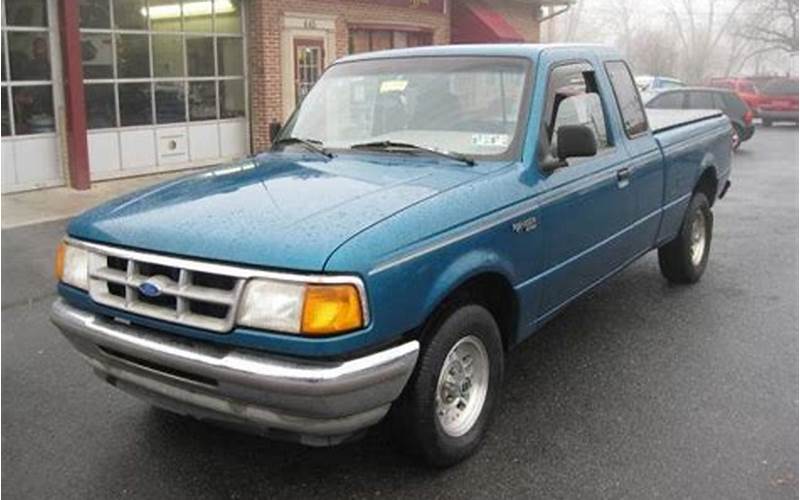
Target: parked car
422, 212
707, 98
649, 83
745, 88
778, 101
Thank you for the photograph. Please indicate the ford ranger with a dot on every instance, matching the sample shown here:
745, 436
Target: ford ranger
420, 214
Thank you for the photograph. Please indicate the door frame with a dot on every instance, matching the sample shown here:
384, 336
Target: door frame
302, 26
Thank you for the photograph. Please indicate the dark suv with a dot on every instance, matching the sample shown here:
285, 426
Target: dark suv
707, 98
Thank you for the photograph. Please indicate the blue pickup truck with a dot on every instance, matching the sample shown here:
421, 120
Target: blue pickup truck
421, 213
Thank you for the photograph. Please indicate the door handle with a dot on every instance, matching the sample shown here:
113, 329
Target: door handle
623, 177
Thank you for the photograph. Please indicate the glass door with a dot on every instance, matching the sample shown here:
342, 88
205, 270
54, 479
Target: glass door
309, 62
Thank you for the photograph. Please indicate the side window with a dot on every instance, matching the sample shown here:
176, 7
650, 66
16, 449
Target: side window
701, 100
573, 99
630, 106
668, 100
719, 101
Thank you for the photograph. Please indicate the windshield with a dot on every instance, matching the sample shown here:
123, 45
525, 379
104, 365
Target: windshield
468, 105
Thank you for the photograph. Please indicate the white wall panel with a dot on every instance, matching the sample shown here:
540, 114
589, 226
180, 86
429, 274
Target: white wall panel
173, 145
104, 152
37, 160
233, 138
137, 148
9, 177
203, 142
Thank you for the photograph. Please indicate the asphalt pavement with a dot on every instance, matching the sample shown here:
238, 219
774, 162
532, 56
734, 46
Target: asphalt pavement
638, 390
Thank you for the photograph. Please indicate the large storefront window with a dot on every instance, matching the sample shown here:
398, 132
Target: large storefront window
370, 39
27, 86
154, 62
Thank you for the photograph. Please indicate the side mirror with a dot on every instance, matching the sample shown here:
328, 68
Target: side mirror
576, 140
274, 130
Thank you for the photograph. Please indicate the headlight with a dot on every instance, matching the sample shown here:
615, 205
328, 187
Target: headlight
72, 265
312, 309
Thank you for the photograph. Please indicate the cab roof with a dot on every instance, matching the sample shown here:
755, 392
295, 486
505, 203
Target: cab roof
527, 50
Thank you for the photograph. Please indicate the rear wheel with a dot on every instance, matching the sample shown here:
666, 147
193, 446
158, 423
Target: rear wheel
684, 259
448, 403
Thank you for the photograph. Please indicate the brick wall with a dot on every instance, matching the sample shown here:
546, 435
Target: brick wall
264, 25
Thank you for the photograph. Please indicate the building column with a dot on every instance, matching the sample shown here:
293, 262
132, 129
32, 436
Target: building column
77, 145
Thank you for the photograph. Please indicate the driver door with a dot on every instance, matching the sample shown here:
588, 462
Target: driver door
587, 205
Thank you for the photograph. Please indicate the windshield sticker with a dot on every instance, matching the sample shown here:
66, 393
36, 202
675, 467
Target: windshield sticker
393, 86
490, 140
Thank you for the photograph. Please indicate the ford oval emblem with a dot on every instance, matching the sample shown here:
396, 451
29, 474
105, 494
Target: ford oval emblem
150, 289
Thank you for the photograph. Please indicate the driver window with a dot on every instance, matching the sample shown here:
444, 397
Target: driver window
573, 99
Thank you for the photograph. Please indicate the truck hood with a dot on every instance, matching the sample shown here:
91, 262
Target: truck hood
275, 210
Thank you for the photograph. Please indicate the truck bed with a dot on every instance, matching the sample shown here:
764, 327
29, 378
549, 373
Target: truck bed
666, 119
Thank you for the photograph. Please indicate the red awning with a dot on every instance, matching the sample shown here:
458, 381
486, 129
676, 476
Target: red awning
474, 22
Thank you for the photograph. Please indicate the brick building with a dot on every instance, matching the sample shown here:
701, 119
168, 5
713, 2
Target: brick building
100, 89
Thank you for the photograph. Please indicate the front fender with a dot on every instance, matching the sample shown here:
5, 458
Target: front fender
469, 265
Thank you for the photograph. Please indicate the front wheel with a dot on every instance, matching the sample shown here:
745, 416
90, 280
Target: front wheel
447, 405
684, 259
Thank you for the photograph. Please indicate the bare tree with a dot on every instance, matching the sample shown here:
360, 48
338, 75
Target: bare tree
701, 31
773, 23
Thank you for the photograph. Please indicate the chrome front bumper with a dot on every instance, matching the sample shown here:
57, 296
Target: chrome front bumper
321, 403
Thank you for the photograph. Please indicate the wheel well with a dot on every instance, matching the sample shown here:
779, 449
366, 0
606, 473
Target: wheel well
493, 291
707, 184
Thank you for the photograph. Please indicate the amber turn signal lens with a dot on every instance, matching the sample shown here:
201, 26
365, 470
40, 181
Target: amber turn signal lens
331, 309
61, 250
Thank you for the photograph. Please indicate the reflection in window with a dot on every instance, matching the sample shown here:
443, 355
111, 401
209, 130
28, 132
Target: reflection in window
198, 50
29, 55
165, 15
231, 98
128, 15
197, 15
6, 117
33, 109
202, 101
97, 55
167, 55
170, 102
227, 16
100, 109
230, 58
26, 12
133, 56
94, 14
134, 104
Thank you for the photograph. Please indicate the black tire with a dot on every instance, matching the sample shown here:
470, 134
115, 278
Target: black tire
766, 122
676, 257
414, 417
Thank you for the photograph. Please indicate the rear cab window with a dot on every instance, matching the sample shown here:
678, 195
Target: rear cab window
628, 101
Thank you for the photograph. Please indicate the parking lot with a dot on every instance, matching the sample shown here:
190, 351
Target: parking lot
638, 390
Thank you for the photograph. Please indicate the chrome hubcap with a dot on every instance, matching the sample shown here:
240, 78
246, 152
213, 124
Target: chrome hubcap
462, 387
698, 237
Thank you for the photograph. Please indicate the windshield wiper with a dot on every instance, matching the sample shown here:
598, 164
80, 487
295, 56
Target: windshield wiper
310, 144
407, 145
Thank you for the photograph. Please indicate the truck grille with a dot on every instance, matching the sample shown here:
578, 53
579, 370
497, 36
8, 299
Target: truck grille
189, 295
